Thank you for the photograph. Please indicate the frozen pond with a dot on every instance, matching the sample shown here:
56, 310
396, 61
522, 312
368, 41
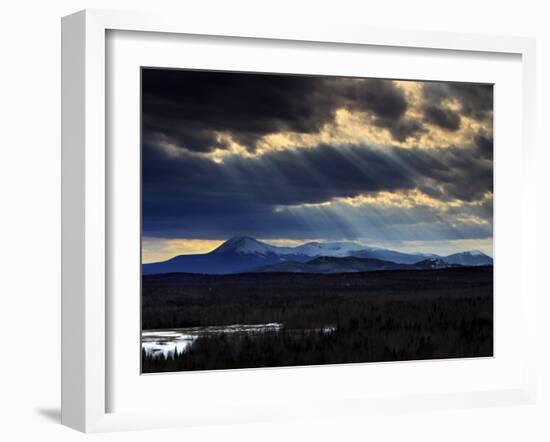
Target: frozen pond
166, 342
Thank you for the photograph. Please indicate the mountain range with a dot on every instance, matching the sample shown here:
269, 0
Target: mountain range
246, 254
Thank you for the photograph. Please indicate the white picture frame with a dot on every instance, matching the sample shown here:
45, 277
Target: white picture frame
85, 209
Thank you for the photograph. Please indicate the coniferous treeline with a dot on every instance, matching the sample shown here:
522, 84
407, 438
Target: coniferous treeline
379, 316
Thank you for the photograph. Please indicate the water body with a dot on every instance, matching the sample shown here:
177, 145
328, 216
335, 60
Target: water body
158, 343
166, 342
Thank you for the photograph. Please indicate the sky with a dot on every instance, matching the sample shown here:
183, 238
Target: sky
287, 159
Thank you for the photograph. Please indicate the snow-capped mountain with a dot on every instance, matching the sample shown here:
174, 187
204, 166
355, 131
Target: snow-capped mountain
244, 253
235, 255
434, 263
246, 244
471, 258
333, 249
392, 255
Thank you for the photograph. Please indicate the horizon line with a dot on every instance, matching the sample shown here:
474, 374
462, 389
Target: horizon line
292, 243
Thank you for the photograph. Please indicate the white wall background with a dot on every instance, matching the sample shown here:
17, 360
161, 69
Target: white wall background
30, 215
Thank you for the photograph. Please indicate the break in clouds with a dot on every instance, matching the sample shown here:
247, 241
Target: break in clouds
300, 157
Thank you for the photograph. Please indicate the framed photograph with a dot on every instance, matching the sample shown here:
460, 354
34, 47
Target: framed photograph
372, 200
275, 222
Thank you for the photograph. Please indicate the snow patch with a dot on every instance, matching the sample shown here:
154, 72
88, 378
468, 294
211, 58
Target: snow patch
248, 245
157, 343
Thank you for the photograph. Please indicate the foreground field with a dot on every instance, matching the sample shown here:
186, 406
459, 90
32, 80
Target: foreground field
326, 319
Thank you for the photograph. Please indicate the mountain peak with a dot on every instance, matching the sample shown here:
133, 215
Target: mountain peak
470, 257
470, 253
243, 244
240, 240
339, 249
476, 253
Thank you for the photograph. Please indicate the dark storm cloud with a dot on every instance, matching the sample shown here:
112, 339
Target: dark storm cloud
403, 128
381, 97
445, 118
484, 143
187, 108
475, 100
188, 195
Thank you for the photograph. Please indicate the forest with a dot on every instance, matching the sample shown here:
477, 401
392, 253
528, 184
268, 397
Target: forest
328, 318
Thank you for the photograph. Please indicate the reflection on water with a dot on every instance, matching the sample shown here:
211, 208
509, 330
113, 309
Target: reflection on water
158, 343
166, 342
